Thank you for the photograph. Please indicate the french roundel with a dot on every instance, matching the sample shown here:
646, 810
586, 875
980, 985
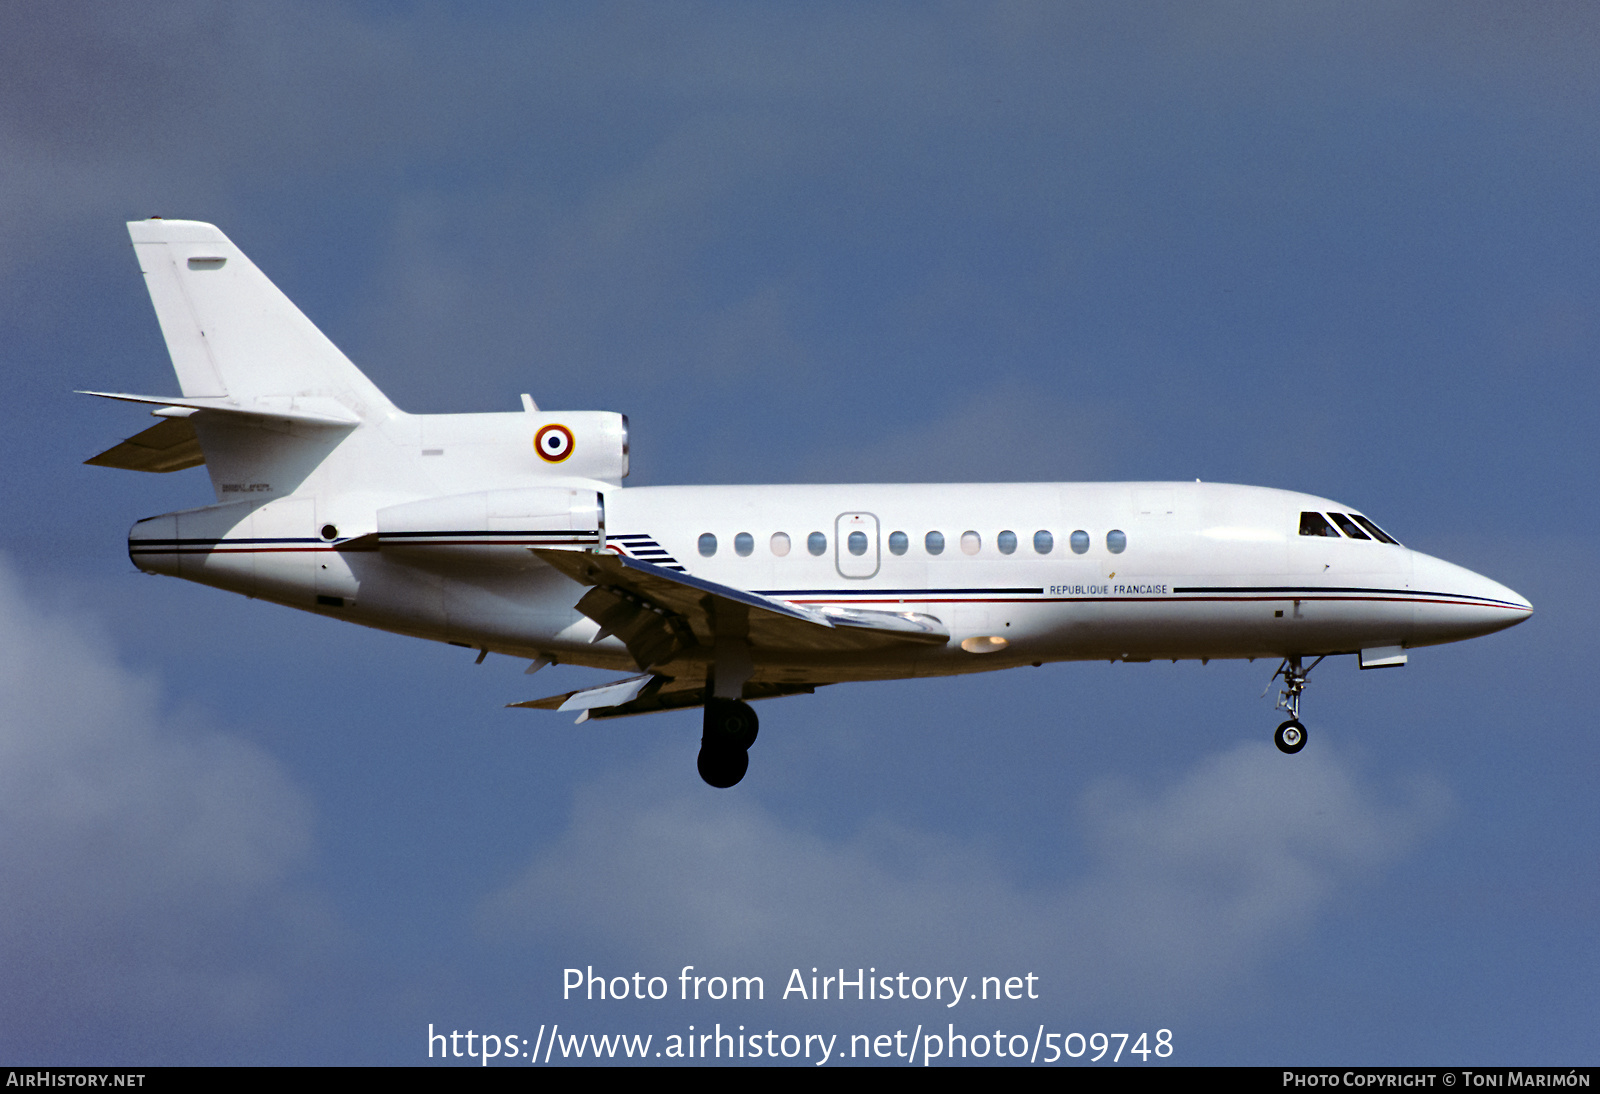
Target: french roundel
554, 443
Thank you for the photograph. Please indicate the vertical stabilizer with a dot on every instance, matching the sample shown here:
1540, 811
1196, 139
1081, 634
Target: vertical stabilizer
230, 331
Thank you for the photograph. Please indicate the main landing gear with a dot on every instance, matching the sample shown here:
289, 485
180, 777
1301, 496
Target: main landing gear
730, 730
1290, 737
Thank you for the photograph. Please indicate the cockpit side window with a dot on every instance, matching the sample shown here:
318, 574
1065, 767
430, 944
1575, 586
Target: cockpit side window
1377, 533
1315, 524
1348, 526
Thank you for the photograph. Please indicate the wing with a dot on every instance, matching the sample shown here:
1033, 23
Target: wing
660, 613
647, 694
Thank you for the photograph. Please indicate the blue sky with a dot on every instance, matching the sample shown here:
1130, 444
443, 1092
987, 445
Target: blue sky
1348, 249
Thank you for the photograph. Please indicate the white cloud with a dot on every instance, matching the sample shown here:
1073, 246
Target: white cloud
145, 860
1188, 889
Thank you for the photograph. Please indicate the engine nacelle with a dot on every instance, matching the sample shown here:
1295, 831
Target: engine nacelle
590, 443
492, 526
501, 449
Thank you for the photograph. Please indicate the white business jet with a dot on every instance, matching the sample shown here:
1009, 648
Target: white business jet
512, 533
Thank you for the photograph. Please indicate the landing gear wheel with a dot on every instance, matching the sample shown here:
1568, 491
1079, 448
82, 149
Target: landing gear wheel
1290, 737
730, 729
722, 767
730, 724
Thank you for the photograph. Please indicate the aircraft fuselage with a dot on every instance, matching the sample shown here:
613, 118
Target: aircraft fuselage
1204, 571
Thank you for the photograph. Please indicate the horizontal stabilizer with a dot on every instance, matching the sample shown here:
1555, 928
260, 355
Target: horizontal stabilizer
312, 410
648, 694
169, 446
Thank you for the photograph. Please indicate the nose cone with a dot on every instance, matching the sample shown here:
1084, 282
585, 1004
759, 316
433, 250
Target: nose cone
1454, 603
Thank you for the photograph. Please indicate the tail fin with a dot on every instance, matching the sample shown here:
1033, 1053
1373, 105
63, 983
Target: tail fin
231, 332
267, 399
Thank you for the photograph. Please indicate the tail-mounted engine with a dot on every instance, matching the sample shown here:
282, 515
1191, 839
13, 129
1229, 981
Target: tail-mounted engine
492, 525
280, 551
502, 449
588, 443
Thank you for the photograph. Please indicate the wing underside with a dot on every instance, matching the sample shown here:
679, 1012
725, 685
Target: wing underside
169, 446
664, 617
648, 694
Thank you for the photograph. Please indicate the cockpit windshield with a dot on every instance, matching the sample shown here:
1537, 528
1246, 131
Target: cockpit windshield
1354, 526
1377, 533
1348, 526
1315, 524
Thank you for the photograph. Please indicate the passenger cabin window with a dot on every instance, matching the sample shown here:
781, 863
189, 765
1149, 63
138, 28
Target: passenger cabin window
1007, 542
1080, 542
1377, 533
743, 544
898, 543
856, 544
1043, 542
971, 543
1116, 541
934, 542
1348, 526
1315, 524
780, 543
816, 543
708, 544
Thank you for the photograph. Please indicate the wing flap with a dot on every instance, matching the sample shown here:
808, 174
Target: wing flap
653, 636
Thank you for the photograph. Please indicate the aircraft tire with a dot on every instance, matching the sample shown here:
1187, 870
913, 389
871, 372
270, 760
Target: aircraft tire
730, 724
1290, 737
722, 767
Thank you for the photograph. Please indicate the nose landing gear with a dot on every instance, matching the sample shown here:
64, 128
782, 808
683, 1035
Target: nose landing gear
730, 729
1290, 737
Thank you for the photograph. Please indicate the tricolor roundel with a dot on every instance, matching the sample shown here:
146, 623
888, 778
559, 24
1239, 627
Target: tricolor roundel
553, 443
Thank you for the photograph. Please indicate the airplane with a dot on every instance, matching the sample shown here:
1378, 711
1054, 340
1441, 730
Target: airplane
512, 533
